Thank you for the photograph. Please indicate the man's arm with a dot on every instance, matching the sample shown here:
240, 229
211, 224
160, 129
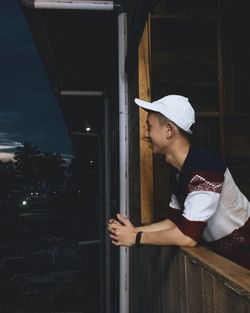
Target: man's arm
125, 234
171, 236
162, 225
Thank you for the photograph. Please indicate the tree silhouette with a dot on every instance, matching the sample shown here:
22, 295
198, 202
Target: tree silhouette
39, 170
53, 170
7, 178
28, 160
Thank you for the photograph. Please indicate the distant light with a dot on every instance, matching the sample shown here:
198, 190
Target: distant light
24, 202
91, 161
88, 129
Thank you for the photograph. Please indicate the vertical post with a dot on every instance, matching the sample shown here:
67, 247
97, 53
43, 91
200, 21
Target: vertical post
123, 154
107, 199
101, 245
146, 160
220, 85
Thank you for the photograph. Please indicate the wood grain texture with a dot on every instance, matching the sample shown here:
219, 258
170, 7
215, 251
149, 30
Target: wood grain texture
227, 300
194, 287
221, 268
207, 292
146, 162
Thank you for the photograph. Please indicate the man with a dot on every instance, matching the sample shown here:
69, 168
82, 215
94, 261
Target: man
206, 204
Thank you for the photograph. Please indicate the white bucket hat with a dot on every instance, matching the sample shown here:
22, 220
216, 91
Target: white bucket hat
175, 108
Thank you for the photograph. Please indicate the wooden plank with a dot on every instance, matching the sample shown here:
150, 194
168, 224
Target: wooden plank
246, 305
146, 161
194, 287
173, 287
221, 268
170, 294
182, 269
208, 292
221, 89
227, 300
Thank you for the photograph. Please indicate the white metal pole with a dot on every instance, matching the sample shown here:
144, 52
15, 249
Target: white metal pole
123, 153
74, 5
107, 200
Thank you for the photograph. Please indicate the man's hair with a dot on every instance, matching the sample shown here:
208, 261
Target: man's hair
164, 120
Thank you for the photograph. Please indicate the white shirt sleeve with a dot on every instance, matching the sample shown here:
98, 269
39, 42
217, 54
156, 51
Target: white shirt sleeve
174, 203
200, 205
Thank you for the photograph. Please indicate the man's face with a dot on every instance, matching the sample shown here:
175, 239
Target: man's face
155, 134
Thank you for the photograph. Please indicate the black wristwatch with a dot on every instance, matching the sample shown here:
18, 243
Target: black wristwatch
138, 239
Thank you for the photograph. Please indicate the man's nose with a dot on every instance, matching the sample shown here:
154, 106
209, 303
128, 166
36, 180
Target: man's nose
146, 133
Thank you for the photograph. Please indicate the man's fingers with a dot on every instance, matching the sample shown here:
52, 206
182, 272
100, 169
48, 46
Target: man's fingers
123, 219
115, 226
112, 230
120, 216
113, 222
114, 239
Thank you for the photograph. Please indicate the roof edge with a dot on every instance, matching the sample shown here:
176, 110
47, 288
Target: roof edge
33, 4
28, 3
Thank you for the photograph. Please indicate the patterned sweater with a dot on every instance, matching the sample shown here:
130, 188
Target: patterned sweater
206, 203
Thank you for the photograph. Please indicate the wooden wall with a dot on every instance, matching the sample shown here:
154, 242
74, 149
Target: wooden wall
169, 279
200, 51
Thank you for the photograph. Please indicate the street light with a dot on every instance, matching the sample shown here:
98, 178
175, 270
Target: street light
24, 202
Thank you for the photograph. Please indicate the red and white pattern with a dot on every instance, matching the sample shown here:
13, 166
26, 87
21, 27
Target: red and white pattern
207, 204
200, 183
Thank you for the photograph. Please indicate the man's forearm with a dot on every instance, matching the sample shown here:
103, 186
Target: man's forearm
163, 225
171, 236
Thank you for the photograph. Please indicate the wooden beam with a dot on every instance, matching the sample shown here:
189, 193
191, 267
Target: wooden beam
146, 160
221, 90
234, 276
140, 10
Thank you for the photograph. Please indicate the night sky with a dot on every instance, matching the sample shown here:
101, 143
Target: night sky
28, 110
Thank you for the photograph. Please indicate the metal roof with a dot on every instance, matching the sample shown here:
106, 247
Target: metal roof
79, 51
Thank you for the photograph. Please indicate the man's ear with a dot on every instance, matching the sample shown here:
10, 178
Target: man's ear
169, 129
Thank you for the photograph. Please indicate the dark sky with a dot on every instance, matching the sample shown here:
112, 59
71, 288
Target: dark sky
28, 110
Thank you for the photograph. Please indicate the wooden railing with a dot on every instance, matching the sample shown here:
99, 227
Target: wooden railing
186, 280
201, 281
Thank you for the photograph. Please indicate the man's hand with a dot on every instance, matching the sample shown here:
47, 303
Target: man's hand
121, 231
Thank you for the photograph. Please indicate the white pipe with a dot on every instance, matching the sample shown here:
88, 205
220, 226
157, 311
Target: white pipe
74, 5
123, 153
93, 93
107, 201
